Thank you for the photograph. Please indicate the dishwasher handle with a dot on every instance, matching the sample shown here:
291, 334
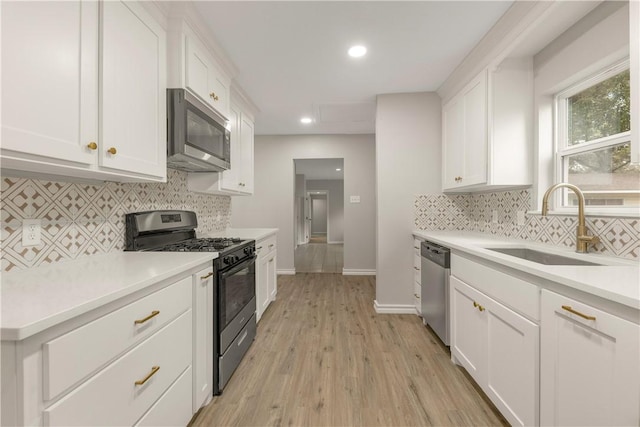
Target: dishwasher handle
436, 253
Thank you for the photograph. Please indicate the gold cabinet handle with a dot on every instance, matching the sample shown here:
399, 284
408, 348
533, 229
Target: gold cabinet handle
214, 96
416, 295
258, 248
416, 247
154, 313
207, 276
577, 313
416, 268
478, 306
271, 245
92, 145
112, 150
154, 369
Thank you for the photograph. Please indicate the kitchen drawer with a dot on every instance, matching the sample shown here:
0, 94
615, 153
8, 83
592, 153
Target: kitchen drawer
103, 339
111, 397
523, 297
174, 407
233, 355
265, 246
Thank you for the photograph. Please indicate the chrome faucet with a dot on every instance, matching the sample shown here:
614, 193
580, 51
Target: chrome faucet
583, 240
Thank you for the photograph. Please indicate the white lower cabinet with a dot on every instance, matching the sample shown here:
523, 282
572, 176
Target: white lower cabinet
202, 337
266, 275
417, 277
499, 348
128, 362
589, 365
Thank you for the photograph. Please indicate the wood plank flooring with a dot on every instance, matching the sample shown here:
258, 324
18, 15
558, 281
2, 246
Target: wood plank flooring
319, 258
323, 357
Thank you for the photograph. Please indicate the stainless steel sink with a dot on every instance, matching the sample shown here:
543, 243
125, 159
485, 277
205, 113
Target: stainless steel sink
541, 257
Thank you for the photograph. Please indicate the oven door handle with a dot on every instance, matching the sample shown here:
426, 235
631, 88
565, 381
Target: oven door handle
228, 271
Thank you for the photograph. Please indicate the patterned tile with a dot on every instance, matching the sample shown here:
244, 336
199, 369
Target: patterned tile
620, 236
80, 220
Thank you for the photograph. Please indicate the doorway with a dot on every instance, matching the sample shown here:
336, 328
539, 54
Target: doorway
319, 214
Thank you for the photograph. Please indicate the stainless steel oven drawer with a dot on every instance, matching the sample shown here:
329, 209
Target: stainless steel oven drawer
233, 328
230, 360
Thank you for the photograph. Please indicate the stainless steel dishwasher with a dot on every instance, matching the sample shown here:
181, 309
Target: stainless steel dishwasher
435, 267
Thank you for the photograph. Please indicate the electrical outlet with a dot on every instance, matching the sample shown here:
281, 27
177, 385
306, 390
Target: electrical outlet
520, 217
494, 217
31, 232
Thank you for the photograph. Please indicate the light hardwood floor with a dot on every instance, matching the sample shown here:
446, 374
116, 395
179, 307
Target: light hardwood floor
319, 258
323, 357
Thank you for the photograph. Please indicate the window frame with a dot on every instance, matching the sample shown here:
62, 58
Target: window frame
562, 150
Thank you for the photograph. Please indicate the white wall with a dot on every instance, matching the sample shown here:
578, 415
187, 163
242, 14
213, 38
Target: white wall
408, 163
593, 43
272, 202
335, 187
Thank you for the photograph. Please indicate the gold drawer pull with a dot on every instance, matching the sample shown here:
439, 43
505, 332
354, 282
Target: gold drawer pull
577, 313
214, 96
258, 248
271, 245
154, 313
416, 268
112, 150
416, 247
416, 295
207, 276
475, 304
152, 373
92, 146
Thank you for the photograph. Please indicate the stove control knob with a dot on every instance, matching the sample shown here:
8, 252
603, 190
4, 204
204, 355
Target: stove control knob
227, 260
248, 251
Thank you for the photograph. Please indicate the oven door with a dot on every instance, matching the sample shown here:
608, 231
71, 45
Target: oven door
236, 289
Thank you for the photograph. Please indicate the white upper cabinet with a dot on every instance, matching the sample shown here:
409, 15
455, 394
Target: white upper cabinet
237, 180
204, 78
133, 90
487, 130
83, 80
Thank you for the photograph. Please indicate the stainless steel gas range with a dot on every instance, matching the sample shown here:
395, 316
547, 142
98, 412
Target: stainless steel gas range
234, 324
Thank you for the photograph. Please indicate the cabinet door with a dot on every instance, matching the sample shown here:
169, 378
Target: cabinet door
262, 282
475, 132
272, 277
203, 78
50, 79
468, 329
453, 142
512, 364
133, 90
246, 156
589, 367
230, 177
202, 337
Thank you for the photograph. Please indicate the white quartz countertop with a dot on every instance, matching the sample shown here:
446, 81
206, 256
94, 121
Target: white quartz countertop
243, 233
36, 299
618, 280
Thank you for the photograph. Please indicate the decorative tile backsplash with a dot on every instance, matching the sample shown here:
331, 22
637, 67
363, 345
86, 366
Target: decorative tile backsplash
79, 219
473, 212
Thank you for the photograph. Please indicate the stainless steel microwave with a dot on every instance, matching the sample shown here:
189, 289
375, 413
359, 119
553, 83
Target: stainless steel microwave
198, 139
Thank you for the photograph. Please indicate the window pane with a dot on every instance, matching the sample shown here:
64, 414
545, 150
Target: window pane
599, 111
606, 176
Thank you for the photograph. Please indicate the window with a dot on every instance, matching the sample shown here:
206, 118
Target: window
593, 142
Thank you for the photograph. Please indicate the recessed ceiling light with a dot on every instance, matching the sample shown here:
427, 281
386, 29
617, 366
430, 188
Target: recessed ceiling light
357, 51
306, 120
338, 169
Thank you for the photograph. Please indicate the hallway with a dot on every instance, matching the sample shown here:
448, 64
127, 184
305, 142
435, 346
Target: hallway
319, 258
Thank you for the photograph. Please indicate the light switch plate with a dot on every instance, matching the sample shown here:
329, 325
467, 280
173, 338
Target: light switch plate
354, 199
31, 232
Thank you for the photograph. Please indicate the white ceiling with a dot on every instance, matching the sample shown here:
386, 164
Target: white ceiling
320, 168
293, 62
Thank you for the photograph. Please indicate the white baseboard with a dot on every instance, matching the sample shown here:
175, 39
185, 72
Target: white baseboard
357, 272
287, 272
335, 243
393, 308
